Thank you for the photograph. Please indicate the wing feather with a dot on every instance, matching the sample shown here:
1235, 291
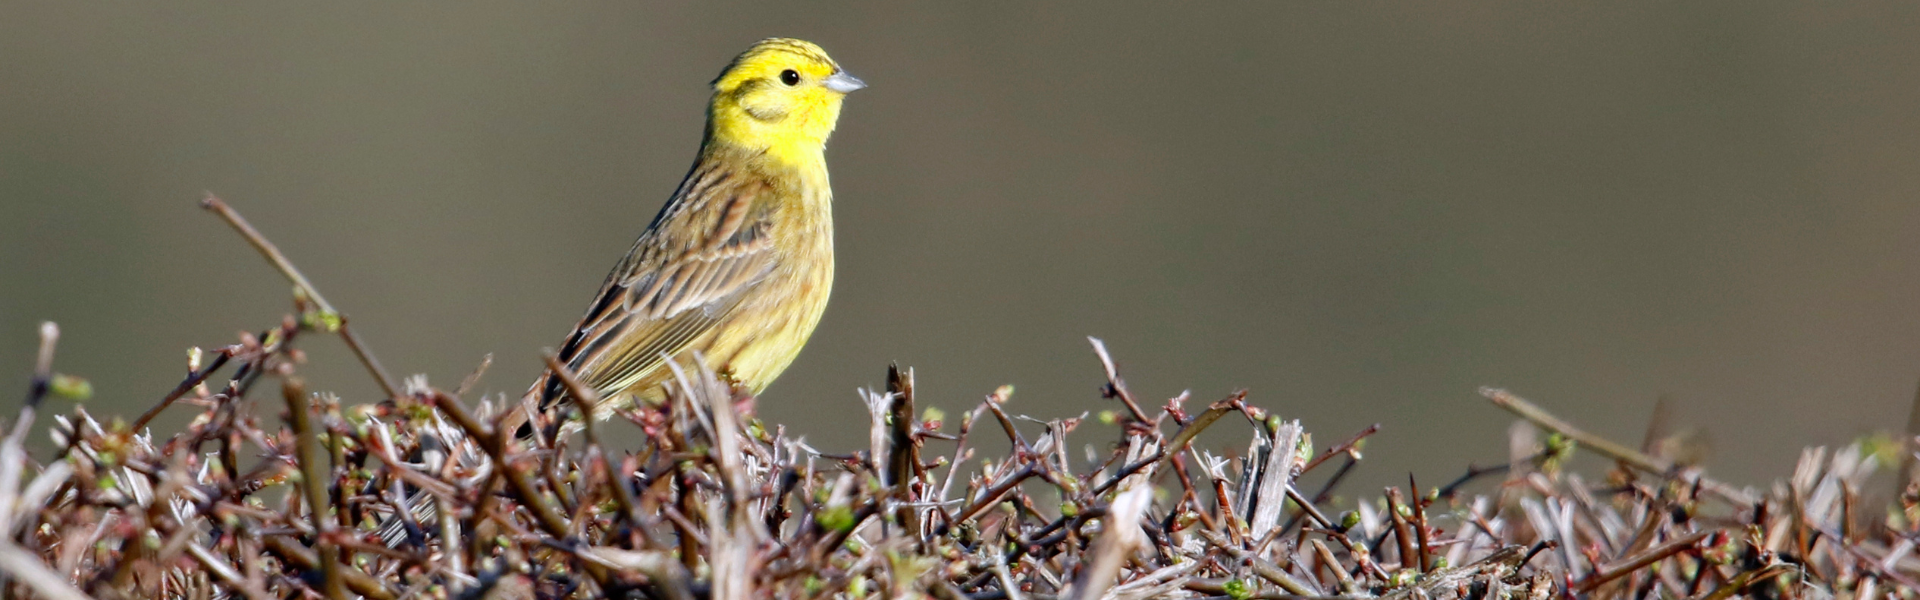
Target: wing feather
685, 275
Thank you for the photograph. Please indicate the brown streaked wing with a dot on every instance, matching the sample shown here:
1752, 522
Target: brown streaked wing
684, 277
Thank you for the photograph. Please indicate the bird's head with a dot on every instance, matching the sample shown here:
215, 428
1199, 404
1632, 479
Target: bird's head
781, 95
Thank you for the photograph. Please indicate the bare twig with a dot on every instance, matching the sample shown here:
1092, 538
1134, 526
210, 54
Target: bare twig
299, 280
1117, 387
1614, 570
193, 379
43, 365
1658, 466
314, 478
26, 568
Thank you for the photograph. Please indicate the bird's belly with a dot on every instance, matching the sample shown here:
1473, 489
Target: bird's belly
778, 328
763, 334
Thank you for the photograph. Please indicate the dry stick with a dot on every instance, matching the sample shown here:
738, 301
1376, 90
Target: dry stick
1184, 437
279, 261
1180, 440
42, 368
991, 495
1020, 446
1873, 564
1635, 563
904, 451
1326, 490
1658, 466
543, 512
195, 378
473, 378
589, 400
28, 569
669, 575
1360, 553
314, 479
959, 456
1473, 472
224, 571
900, 428
14, 452
24, 566
1744, 579
1420, 525
1347, 586
1116, 387
1266, 570
1402, 532
299, 556
1119, 539
495, 446
1307, 508
1342, 447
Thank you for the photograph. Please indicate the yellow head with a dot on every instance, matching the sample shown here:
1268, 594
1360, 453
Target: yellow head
781, 96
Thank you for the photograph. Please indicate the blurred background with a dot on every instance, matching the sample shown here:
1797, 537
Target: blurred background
1360, 212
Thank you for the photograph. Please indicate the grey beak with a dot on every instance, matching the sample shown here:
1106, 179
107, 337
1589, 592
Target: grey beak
843, 83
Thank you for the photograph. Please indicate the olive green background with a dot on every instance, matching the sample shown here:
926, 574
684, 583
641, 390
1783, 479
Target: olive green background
1360, 211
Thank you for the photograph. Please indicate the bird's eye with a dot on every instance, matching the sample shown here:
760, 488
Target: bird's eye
790, 77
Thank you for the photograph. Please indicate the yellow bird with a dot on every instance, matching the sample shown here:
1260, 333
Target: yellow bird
738, 264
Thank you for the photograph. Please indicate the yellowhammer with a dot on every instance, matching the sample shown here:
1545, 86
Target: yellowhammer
738, 263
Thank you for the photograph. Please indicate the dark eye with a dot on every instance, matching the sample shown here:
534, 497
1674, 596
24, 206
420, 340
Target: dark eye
790, 77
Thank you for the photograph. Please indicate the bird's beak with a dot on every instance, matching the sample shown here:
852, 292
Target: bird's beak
844, 83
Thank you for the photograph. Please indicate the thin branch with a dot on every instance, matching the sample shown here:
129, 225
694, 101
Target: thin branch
1658, 466
27, 569
588, 401
43, 365
299, 280
314, 478
1117, 387
490, 442
193, 379
1656, 554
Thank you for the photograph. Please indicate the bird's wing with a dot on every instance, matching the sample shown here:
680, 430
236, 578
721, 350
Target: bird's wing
709, 246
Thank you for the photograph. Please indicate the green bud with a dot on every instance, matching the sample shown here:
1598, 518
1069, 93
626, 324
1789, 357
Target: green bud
1349, 520
835, 518
1561, 446
323, 321
70, 387
1405, 577
1238, 589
